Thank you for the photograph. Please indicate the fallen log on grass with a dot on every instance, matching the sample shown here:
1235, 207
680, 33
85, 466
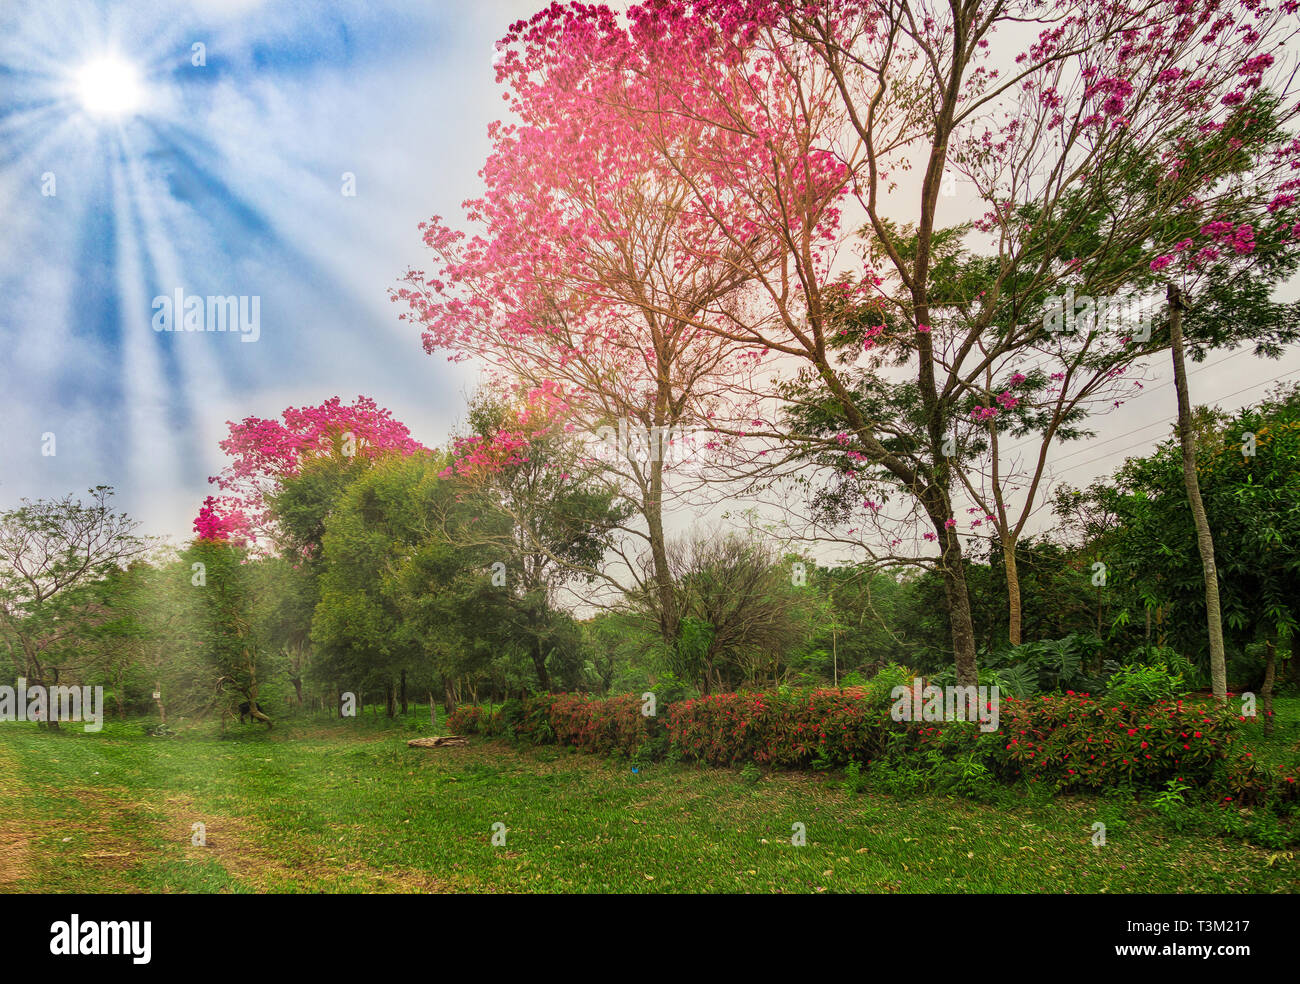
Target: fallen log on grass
438, 741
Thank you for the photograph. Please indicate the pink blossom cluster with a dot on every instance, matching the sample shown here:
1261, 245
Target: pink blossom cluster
220, 522
264, 452
542, 411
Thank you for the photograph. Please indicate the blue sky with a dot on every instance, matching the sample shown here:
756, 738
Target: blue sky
224, 178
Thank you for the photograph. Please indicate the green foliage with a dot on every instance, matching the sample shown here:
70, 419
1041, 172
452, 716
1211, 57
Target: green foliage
1171, 805
669, 688
1147, 684
880, 688
686, 659
1249, 472
1031, 668
854, 781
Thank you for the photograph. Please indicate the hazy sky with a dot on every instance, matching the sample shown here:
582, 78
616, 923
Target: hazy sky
225, 178
128, 172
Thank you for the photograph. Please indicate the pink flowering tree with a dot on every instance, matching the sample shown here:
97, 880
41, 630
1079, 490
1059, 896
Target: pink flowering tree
589, 264
221, 525
265, 453
1125, 130
800, 109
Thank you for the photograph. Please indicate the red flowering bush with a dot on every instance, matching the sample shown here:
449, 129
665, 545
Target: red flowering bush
1247, 781
604, 727
832, 726
468, 719
1077, 741
1073, 741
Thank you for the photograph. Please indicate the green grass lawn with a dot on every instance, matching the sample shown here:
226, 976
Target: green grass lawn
328, 806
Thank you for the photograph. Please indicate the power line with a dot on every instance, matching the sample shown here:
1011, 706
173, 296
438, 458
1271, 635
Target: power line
1145, 392
1140, 443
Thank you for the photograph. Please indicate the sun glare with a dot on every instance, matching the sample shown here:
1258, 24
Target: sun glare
109, 87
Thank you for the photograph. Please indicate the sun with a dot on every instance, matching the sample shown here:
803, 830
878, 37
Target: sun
109, 87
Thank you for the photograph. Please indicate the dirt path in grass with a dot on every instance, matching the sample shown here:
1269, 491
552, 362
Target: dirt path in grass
234, 844
15, 852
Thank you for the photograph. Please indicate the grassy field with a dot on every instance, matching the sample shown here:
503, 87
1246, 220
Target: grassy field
328, 806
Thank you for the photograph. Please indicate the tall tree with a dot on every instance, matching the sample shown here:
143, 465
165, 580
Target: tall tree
522, 460
53, 554
398, 589
590, 272
224, 607
746, 613
1248, 465
265, 452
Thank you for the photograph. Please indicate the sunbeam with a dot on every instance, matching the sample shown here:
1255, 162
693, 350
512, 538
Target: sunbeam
110, 87
164, 147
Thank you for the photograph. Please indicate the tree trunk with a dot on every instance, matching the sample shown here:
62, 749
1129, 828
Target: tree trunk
963, 629
1204, 539
403, 691
162, 711
390, 702
253, 709
1013, 592
1266, 691
51, 711
957, 595
539, 664
664, 587
448, 695
433, 710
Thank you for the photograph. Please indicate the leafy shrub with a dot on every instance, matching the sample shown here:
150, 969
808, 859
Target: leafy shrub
1148, 683
1169, 803
651, 750
669, 688
614, 726
1069, 741
903, 781
788, 731
1246, 781
466, 720
853, 779
534, 723
968, 776
879, 689
526, 721
1171, 659
1076, 741
1040, 666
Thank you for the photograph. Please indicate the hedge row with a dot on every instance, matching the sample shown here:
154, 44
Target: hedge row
1071, 741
